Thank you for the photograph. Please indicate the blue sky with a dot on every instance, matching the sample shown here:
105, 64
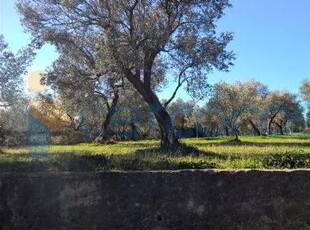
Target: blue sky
271, 42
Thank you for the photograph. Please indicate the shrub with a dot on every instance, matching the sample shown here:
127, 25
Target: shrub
69, 137
288, 160
15, 139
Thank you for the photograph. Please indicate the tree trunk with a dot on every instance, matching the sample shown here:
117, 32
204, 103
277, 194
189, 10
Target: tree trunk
284, 126
281, 131
227, 131
256, 130
168, 138
182, 124
270, 120
280, 128
269, 127
105, 125
1, 137
236, 134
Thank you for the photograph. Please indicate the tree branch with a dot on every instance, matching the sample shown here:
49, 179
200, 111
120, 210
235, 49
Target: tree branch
105, 98
80, 124
180, 83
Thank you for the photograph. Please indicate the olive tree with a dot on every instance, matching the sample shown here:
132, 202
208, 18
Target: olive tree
256, 94
305, 93
233, 101
291, 112
181, 113
276, 104
12, 68
308, 119
134, 34
82, 84
79, 87
13, 104
305, 89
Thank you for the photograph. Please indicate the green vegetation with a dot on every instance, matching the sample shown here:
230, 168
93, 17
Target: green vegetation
290, 151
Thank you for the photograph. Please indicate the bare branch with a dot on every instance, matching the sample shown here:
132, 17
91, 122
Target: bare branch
180, 83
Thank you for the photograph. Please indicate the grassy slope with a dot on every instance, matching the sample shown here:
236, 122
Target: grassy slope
291, 151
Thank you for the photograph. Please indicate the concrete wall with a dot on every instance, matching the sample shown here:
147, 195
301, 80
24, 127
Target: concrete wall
198, 199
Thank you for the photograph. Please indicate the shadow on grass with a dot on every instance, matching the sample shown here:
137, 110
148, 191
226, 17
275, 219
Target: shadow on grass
263, 144
300, 136
143, 161
154, 160
184, 151
185, 157
213, 138
234, 143
23, 166
53, 162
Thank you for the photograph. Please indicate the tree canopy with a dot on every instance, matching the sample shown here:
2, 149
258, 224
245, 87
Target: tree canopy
305, 89
12, 68
232, 101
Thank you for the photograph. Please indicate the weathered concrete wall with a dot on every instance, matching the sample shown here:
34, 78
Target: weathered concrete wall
198, 199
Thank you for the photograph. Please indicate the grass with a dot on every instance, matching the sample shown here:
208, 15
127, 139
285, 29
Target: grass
272, 152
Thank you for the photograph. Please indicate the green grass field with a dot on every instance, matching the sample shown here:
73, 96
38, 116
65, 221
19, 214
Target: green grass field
273, 152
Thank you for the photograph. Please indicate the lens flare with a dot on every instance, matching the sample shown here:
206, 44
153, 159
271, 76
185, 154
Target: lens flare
34, 81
